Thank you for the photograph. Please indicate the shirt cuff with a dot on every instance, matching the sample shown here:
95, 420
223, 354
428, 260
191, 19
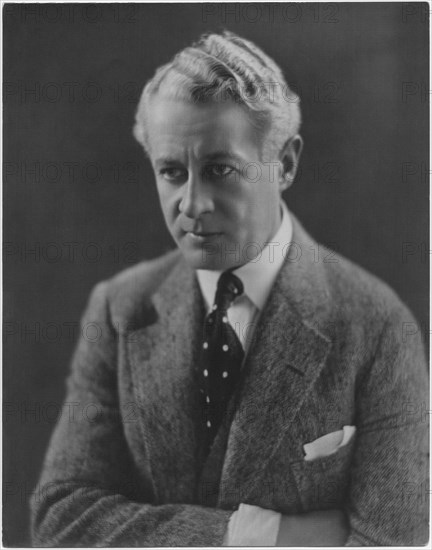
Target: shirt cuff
252, 526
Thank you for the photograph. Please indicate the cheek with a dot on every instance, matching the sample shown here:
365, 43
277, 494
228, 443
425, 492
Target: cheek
254, 210
266, 199
233, 206
167, 199
237, 213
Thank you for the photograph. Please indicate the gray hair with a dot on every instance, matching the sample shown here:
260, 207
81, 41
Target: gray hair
222, 67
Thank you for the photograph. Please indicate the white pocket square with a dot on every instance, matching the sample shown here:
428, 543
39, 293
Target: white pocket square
328, 444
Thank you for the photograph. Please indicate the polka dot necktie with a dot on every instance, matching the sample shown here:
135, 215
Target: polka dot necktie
221, 357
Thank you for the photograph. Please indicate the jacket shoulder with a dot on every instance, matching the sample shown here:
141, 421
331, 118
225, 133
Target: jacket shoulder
348, 293
129, 293
363, 295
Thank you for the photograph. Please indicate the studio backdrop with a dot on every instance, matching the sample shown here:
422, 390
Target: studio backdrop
80, 202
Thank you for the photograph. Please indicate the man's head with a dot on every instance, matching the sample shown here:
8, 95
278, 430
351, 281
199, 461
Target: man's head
219, 125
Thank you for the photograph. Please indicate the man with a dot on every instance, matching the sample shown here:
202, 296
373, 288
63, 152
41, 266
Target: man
240, 391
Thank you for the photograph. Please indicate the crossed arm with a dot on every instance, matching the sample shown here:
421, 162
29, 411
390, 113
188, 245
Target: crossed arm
258, 527
90, 494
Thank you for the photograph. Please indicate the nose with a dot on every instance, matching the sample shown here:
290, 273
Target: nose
196, 199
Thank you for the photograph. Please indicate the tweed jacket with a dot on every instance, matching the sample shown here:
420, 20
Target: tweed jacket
334, 347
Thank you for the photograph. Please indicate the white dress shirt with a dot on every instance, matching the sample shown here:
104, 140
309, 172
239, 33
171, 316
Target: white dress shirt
252, 525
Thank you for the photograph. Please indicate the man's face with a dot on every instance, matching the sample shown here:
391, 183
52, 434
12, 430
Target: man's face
220, 200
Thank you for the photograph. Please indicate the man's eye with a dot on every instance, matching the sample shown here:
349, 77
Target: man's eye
219, 170
172, 174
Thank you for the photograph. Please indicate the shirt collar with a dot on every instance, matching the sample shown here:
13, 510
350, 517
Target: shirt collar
259, 274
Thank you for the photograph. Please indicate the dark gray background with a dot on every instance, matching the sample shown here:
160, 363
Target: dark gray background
74, 174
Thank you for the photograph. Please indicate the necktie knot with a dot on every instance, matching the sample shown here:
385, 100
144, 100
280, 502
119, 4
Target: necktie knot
229, 288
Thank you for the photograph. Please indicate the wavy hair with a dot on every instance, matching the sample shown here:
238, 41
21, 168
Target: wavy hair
221, 67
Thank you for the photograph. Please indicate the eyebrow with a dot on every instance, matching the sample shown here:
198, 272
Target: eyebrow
229, 155
211, 157
166, 160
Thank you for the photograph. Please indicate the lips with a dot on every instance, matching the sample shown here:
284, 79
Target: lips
198, 231
195, 230
203, 233
200, 237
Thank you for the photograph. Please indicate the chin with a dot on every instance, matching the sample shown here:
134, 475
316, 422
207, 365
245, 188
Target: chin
201, 259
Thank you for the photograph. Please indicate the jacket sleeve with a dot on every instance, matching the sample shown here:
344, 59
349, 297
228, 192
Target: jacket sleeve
388, 500
88, 493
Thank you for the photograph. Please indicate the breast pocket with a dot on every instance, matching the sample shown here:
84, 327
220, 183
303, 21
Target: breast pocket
323, 483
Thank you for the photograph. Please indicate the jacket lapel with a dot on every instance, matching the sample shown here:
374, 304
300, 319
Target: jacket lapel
163, 358
287, 355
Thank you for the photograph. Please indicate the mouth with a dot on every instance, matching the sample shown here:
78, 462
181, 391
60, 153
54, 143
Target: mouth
202, 235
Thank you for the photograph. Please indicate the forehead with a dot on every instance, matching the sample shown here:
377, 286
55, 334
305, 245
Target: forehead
180, 128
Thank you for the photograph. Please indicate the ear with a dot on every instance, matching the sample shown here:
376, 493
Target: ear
289, 158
